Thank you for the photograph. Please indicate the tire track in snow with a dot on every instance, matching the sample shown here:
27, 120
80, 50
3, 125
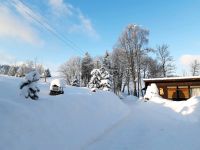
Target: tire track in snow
107, 131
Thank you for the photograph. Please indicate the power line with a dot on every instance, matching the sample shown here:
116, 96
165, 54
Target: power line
49, 28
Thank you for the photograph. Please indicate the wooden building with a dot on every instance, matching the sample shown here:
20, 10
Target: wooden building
176, 88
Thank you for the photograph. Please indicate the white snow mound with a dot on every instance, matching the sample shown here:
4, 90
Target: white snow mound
151, 92
66, 122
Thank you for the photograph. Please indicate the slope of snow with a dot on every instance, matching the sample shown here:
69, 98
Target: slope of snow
190, 109
157, 124
67, 122
81, 119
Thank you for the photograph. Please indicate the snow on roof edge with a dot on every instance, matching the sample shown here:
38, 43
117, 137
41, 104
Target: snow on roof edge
172, 78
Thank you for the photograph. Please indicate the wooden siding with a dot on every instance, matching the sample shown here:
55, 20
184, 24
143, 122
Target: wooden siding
175, 89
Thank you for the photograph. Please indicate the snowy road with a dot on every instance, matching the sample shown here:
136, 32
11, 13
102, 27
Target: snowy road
151, 126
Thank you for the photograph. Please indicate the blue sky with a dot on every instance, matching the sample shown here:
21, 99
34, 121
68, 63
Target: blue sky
94, 26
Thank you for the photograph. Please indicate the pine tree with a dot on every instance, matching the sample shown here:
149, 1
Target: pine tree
12, 71
107, 61
86, 68
20, 72
75, 82
95, 81
47, 73
105, 80
4, 69
100, 79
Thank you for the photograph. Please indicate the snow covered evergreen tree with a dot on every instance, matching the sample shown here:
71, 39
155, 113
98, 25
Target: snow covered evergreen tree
107, 61
95, 81
4, 69
12, 71
20, 71
28, 86
75, 82
47, 73
86, 68
105, 80
100, 79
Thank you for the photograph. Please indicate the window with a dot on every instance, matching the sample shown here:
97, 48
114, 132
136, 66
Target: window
183, 92
195, 90
161, 91
171, 92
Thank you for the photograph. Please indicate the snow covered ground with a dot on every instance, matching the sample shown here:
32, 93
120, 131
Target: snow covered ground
156, 125
66, 122
81, 119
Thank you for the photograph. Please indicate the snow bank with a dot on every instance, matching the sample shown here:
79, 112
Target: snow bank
151, 92
152, 126
190, 108
67, 122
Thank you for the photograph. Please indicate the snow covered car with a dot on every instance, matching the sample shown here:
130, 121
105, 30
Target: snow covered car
56, 87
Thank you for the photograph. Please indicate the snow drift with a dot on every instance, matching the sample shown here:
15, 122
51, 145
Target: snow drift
67, 122
189, 110
151, 92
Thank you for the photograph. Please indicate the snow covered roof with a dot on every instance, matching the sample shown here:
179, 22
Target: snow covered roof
58, 82
173, 79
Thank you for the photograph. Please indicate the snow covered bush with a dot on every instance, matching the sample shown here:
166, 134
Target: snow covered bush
152, 91
28, 86
75, 82
100, 79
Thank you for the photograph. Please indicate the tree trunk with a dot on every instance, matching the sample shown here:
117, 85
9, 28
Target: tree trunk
124, 87
134, 85
128, 87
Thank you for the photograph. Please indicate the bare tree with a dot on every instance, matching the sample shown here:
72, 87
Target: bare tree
195, 68
71, 69
150, 68
165, 60
154, 69
118, 65
133, 40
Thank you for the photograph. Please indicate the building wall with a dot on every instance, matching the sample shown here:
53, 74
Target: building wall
175, 90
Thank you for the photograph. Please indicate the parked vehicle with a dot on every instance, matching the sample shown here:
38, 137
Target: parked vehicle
56, 87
